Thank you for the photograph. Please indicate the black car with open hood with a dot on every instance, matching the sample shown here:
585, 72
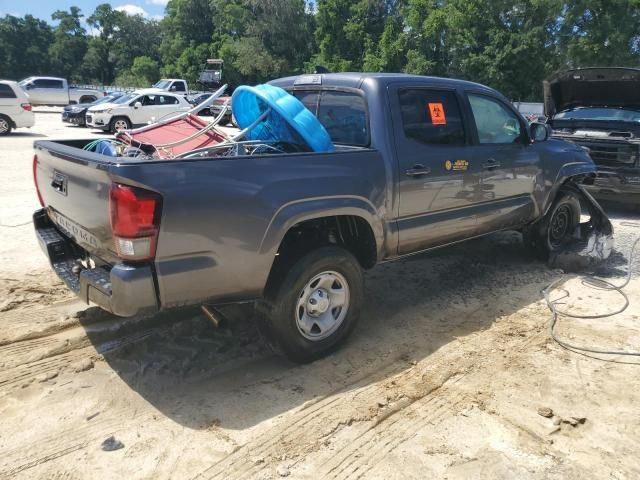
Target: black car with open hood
599, 108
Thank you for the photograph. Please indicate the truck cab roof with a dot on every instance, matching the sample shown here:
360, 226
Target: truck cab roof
357, 80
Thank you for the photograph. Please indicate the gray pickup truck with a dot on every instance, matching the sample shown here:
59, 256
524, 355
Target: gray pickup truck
420, 163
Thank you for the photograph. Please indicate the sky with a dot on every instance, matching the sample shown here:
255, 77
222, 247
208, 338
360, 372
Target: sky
44, 8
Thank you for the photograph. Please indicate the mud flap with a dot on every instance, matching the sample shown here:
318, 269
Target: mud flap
592, 240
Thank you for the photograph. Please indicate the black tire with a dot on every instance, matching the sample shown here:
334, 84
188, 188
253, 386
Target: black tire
113, 128
556, 228
279, 312
87, 99
5, 125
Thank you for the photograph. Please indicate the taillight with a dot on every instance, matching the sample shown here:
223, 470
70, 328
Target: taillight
26, 106
135, 221
35, 179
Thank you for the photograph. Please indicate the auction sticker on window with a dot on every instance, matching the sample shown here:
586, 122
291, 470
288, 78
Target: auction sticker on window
438, 117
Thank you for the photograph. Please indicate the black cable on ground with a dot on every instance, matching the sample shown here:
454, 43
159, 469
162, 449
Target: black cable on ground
597, 283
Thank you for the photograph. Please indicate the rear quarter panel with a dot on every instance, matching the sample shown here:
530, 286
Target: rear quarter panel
222, 220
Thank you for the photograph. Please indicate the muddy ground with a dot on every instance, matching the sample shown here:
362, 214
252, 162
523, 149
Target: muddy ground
446, 376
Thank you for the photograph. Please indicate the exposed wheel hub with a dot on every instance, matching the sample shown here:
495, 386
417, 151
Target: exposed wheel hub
322, 305
318, 302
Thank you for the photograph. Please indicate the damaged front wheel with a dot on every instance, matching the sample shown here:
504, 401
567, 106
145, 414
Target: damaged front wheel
557, 228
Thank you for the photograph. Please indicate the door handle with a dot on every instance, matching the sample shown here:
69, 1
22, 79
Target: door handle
417, 171
491, 163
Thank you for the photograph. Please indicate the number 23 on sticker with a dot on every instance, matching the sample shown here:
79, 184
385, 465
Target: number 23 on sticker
438, 117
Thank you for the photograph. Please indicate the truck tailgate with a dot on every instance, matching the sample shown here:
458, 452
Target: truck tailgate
75, 193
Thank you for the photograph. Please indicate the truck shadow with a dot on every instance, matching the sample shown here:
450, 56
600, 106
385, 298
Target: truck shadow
200, 376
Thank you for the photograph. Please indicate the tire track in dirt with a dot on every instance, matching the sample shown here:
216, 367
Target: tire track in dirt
409, 424
410, 391
31, 323
56, 361
307, 432
64, 442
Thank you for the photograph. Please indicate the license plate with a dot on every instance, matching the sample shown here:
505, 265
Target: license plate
73, 230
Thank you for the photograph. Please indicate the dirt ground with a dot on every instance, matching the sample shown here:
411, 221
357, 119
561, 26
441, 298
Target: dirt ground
446, 376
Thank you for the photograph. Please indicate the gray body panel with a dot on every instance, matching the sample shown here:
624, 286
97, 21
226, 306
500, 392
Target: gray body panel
223, 219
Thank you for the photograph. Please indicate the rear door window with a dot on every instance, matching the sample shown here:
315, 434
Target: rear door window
53, 83
6, 91
431, 117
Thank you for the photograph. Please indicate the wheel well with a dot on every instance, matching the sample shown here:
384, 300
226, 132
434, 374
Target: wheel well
113, 119
350, 232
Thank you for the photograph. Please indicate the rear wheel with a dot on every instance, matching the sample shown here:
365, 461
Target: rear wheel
5, 125
119, 123
313, 304
87, 99
557, 228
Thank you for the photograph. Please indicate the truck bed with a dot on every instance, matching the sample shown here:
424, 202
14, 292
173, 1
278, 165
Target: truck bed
220, 222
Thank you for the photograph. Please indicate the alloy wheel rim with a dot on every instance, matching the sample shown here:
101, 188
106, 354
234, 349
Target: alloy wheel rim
4, 126
120, 125
322, 305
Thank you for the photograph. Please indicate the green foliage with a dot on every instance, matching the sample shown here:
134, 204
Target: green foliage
511, 45
143, 73
24, 44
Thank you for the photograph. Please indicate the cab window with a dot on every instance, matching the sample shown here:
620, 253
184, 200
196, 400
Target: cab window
495, 123
431, 117
344, 116
308, 99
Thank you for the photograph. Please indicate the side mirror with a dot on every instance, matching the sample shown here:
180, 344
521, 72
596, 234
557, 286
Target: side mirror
29, 86
137, 105
172, 88
539, 132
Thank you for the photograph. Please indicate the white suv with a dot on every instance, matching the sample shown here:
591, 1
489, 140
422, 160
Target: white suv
137, 108
15, 109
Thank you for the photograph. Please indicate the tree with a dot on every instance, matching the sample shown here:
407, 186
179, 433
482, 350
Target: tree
600, 33
24, 46
100, 60
69, 43
143, 73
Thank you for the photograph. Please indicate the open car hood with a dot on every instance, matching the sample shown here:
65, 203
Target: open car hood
592, 87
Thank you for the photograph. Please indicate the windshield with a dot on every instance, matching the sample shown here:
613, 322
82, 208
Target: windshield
22, 83
162, 84
125, 98
107, 99
600, 113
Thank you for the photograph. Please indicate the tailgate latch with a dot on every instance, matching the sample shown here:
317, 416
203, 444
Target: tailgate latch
59, 183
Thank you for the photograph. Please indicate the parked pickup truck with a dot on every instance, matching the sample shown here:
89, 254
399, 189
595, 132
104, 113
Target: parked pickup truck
176, 85
599, 109
420, 163
56, 91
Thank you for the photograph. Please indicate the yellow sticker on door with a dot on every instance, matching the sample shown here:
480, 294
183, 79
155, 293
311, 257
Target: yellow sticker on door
456, 165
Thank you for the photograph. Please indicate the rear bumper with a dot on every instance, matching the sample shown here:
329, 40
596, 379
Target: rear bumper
24, 120
123, 290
